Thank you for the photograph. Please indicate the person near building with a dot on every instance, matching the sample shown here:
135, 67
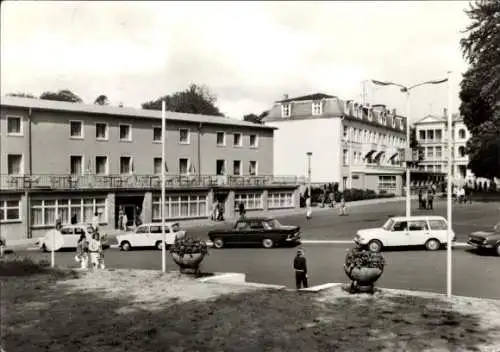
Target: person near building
342, 207
300, 268
74, 219
430, 199
94, 250
58, 222
95, 221
82, 252
308, 207
125, 221
242, 210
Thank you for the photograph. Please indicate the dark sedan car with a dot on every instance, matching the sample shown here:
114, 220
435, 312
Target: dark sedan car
489, 241
267, 232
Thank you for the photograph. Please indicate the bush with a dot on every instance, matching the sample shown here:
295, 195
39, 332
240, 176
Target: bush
360, 258
189, 245
22, 266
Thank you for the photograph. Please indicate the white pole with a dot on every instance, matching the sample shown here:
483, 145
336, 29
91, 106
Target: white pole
350, 157
408, 174
52, 252
162, 211
448, 191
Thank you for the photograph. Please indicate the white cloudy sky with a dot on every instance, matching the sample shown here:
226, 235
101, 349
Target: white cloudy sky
248, 53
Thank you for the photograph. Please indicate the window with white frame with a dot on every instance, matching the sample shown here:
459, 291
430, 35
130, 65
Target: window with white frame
439, 152
44, 212
346, 131
125, 132
237, 167
14, 164
184, 136
461, 133
14, 126
156, 134
180, 206
280, 200
316, 108
183, 166
252, 168
101, 165
76, 165
345, 157
125, 165
76, 129
386, 183
101, 131
220, 167
430, 152
285, 110
251, 201
221, 138
157, 166
254, 142
10, 210
237, 139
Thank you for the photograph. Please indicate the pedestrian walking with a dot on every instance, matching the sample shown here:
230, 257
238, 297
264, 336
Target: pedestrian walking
94, 250
308, 208
220, 212
342, 207
74, 219
300, 267
124, 221
95, 221
420, 199
430, 199
58, 223
424, 200
82, 252
242, 210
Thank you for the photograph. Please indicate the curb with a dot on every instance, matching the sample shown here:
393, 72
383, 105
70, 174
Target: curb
210, 244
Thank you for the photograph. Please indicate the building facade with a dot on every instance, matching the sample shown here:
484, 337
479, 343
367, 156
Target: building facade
357, 146
68, 159
432, 136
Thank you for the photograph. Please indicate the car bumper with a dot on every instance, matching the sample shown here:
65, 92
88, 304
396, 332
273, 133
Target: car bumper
295, 238
480, 245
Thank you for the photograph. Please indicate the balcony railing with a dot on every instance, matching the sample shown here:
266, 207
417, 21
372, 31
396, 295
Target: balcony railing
142, 182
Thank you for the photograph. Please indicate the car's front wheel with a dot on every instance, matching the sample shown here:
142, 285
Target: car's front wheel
125, 246
267, 243
375, 246
432, 244
497, 249
218, 243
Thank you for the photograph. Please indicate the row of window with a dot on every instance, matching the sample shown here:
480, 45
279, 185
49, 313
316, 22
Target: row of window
10, 210
436, 135
77, 166
196, 205
316, 110
386, 183
437, 152
432, 168
357, 111
366, 136
76, 131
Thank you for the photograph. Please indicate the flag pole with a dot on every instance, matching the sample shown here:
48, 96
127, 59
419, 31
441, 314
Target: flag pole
162, 211
448, 192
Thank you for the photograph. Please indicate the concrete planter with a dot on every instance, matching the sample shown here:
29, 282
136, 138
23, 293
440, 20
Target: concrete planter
188, 261
363, 279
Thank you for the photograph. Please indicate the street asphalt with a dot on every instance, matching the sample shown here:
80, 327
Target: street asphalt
474, 275
328, 225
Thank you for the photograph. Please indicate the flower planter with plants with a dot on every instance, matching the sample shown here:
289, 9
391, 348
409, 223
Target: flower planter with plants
364, 268
188, 253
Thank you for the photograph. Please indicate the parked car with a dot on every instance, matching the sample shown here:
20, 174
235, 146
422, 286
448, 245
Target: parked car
265, 231
486, 240
70, 235
150, 235
429, 231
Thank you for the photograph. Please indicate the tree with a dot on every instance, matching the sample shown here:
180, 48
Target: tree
254, 118
194, 100
62, 95
480, 87
101, 100
415, 145
21, 95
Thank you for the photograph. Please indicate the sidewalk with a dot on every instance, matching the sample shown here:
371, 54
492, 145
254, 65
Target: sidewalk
197, 223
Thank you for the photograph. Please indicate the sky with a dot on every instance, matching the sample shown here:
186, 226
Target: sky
248, 53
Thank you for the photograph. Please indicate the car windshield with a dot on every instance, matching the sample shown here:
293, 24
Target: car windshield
273, 223
388, 225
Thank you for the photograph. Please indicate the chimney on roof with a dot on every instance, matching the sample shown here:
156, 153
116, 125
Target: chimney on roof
445, 112
394, 112
285, 96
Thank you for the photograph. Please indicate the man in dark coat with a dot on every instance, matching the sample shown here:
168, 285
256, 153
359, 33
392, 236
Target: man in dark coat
300, 267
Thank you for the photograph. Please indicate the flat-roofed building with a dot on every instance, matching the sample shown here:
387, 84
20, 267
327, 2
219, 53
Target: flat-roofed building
75, 159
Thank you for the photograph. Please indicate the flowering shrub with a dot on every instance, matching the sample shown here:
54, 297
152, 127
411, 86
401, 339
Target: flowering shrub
188, 245
360, 258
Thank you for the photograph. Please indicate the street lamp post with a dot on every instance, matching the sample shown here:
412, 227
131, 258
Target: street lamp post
448, 191
406, 90
309, 155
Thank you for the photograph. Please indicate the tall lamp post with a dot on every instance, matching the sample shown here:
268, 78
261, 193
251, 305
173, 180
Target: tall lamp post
408, 154
162, 205
309, 155
448, 190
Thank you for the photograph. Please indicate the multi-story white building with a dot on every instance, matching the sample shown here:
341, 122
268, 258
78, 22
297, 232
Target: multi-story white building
432, 135
357, 146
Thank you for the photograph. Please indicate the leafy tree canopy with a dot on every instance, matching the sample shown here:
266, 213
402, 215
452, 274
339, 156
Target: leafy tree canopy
101, 100
194, 100
62, 95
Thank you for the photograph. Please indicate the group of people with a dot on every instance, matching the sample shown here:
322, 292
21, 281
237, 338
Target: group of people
217, 211
123, 219
89, 250
462, 194
426, 197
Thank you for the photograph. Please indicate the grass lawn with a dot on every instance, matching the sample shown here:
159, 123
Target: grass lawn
126, 310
